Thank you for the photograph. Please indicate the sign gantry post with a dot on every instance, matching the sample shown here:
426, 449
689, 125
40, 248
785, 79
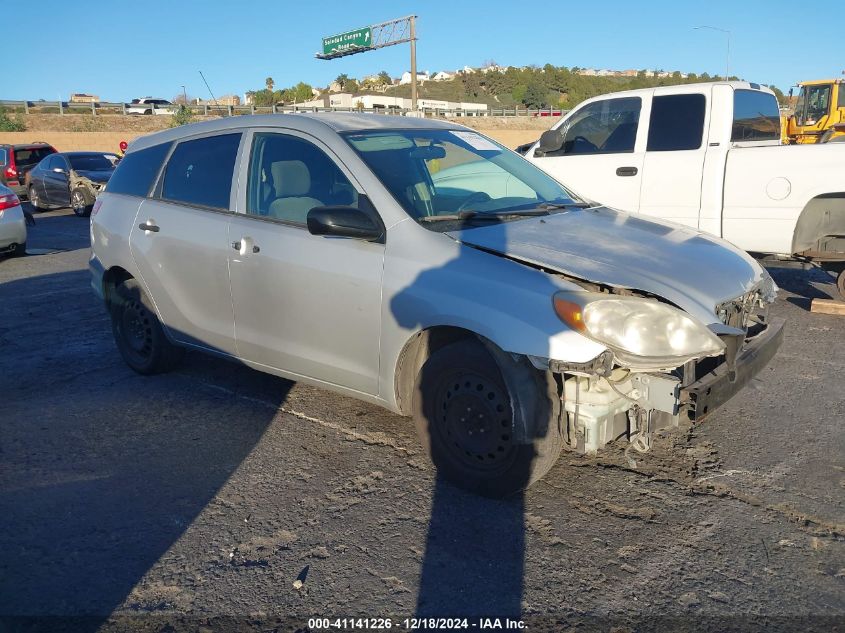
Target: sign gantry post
369, 38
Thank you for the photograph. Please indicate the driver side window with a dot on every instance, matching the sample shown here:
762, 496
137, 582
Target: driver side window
602, 127
289, 176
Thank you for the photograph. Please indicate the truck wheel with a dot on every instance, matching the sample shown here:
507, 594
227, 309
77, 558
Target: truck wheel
138, 333
488, 422
80, 204
840, 283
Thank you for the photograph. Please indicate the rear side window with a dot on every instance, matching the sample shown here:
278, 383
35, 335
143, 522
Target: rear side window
756, 116
2, 156
137, 171
200, 172
840, 102
676, 123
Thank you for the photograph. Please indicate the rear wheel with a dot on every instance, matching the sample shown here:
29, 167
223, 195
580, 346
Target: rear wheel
139, 334
33, 198
488, 422
20, 250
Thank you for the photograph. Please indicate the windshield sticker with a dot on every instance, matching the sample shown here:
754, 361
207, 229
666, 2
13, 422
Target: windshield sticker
476, 141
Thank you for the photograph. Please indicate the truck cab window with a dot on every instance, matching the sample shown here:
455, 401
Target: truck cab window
603, 127
676, 123
756, 116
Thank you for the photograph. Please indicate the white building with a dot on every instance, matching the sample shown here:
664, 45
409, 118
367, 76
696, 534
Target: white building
443, 75
375, 101
422, 77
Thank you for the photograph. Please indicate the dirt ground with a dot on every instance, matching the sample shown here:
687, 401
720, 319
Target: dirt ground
220, 498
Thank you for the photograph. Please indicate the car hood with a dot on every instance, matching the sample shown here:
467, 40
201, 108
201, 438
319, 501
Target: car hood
691, 269
99, 175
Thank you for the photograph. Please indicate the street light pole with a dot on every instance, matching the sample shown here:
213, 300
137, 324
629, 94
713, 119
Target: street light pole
184, 95
728, 55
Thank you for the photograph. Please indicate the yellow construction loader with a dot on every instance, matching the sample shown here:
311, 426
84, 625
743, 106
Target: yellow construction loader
819, 114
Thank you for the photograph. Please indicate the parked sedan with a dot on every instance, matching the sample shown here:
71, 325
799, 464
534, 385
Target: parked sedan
419, 265
70, 179
12, 224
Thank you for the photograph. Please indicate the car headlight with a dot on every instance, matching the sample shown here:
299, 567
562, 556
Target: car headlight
641, 332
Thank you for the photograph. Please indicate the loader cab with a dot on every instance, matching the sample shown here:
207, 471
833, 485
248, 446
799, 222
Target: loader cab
819, 112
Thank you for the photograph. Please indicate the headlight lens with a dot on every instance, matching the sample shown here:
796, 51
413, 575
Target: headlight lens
641, 332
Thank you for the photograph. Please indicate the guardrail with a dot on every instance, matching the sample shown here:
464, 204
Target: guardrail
103, 108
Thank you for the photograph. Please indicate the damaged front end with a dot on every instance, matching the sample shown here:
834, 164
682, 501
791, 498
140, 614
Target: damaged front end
661, 366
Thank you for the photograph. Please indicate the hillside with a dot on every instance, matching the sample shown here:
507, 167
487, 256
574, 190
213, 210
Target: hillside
549, 86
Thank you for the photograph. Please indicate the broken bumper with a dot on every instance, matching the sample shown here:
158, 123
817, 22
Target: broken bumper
714, 389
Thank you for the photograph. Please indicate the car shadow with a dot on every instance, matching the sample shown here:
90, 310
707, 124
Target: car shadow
804, 284
102, 470
473, 565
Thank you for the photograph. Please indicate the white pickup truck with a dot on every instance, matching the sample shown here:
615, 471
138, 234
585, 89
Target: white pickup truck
709, 156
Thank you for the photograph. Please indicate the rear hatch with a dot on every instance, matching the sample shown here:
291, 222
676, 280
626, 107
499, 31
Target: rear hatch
28, 157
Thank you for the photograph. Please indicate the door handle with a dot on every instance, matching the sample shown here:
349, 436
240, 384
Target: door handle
149, 227
237, 246
626, 171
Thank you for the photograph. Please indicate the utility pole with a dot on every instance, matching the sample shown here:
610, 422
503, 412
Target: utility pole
728, 55
413, 33
184, 95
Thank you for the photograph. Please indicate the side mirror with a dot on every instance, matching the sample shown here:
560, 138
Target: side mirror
342, 221
59, 170
550, 141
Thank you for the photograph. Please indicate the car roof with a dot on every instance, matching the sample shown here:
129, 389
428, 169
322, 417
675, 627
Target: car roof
91, 153
313, 123
25, 145
674, 89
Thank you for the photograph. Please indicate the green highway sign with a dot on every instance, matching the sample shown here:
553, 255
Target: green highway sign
359, 38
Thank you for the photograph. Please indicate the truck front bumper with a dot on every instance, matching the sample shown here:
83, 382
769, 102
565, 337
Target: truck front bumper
712, 390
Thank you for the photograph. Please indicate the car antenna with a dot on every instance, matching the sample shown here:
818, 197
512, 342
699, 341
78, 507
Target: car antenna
213, 98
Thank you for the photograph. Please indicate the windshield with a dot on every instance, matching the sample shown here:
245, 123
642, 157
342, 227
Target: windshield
455, 174
90, 162
813, 104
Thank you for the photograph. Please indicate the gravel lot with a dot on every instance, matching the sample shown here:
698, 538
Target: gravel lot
198, 498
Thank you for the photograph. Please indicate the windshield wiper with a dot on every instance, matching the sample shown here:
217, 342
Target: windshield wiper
564, 205
469, 214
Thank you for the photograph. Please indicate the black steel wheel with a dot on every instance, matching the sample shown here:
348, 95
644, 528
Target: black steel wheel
488, 422
138, 333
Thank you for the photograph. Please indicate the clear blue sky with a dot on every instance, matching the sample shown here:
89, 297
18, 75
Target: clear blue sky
134, 48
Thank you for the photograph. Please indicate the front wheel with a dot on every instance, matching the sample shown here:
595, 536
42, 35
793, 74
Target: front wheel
138, 333
80, 204
488, 422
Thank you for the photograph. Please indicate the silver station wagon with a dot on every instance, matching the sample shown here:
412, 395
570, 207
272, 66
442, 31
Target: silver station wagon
419, 265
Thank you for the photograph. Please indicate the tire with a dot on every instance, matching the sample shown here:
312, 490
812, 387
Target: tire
840, 283
33, 199
488, 422
138, 333
80, 203
20, 251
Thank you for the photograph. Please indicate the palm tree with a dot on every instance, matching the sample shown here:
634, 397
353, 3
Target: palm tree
269, 83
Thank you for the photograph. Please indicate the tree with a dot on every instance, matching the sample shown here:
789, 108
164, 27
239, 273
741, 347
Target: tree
535, 96
183, 99
269, 83
342, 80
384, 78
302, 92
